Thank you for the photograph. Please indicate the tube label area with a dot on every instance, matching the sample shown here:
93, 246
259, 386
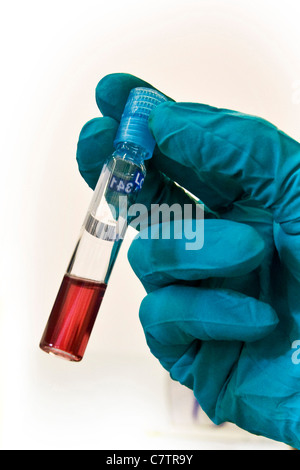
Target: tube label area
127, 185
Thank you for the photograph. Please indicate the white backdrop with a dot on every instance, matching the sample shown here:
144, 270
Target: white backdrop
227, 53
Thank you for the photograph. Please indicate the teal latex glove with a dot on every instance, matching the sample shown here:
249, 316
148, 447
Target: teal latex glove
224, 320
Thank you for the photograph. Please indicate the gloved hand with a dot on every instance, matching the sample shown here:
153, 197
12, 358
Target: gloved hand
223, 320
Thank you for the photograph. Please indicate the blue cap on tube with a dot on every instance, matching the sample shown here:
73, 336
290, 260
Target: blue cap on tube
133, 127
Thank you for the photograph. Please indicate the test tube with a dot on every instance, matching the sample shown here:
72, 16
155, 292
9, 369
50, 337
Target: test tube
84, 283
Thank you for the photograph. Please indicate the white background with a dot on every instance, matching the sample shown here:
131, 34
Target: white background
241, 55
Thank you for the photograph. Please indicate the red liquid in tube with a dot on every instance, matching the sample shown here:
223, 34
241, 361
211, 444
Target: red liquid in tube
72, 318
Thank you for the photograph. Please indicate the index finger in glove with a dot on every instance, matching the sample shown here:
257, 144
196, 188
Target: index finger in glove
112, 92
96, 139
247, 150
96, 144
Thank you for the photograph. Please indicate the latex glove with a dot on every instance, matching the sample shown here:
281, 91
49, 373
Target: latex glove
225, 320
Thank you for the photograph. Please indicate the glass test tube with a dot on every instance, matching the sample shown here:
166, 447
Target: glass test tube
84, 284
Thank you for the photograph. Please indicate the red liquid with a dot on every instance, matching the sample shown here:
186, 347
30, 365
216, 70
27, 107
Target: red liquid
72, 318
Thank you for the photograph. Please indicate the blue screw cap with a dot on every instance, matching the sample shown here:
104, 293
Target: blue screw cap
133, 127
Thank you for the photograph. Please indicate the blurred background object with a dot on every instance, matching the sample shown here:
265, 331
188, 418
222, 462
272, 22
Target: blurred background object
226, 53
